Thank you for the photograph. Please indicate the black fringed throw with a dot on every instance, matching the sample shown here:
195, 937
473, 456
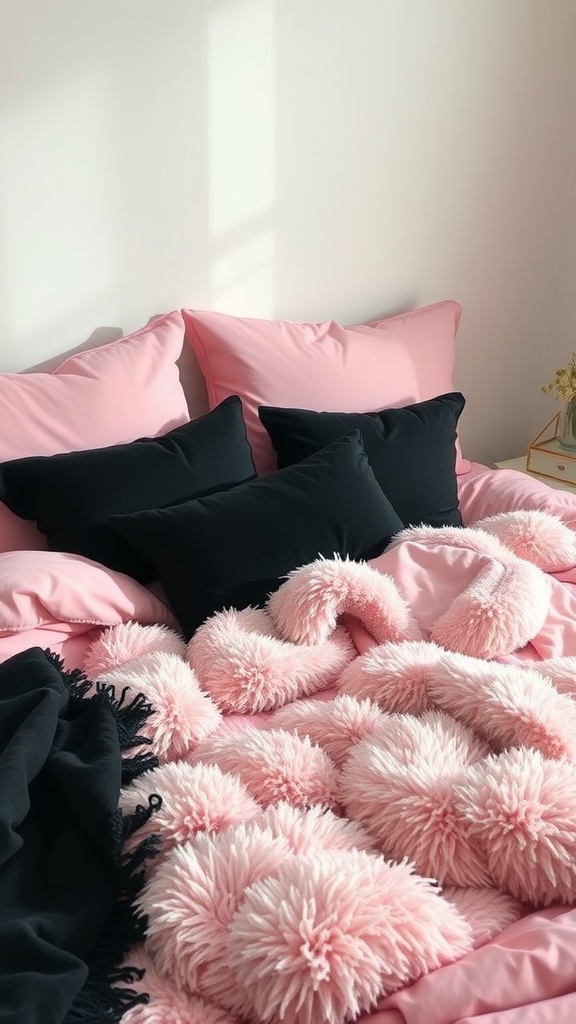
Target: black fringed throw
66, 918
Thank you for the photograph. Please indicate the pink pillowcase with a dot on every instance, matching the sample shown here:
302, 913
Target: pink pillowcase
110, 395
42, 588
325, 367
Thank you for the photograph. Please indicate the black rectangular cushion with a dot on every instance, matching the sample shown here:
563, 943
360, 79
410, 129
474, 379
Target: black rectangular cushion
411, 450
232, 549
72, 496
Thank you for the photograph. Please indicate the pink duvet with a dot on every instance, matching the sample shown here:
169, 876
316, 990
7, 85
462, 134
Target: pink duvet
527, 975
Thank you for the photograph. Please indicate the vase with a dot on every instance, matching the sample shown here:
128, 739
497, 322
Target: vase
568, 436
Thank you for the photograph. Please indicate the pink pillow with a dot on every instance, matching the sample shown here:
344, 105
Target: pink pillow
42, 588
110, 395
325, 367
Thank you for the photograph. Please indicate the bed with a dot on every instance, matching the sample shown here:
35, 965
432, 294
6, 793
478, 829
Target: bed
341, 662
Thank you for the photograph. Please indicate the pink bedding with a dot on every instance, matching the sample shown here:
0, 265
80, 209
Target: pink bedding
527, 974
62, 601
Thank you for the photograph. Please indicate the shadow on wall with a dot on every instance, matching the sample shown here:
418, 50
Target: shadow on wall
140, 171
100, 336
142, 168
190, 373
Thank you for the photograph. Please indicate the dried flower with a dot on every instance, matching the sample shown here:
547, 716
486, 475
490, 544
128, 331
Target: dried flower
564, 383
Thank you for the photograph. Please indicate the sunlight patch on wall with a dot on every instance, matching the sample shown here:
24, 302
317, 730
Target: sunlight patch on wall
241, 95
56, 228
242, 278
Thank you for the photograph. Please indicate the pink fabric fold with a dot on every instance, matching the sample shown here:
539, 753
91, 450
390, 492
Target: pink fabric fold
521, 977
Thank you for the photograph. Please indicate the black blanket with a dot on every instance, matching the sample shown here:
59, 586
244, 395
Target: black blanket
65, 892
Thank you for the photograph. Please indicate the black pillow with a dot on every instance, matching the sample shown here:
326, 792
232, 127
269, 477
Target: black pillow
72, 495
233, 548
411, 450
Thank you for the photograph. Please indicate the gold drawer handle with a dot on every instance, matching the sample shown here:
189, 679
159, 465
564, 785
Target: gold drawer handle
560, 467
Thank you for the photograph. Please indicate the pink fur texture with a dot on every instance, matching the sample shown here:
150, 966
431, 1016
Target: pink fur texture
305, 609
562, 673
335, 725
274, 765
195, 798
401, 786
535, 536
498, 613
183, 715
315, 828
168, 1004
191, 899
267, 906
508, 704
409, 737
129, 640
246, 668
331, 932
521, 808
487, 911
395, 676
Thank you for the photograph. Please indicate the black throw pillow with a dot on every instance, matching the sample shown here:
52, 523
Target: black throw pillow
72, 496
411, 450
233, 549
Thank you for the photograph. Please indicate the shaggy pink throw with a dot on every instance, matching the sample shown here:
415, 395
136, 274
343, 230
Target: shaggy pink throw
294, 878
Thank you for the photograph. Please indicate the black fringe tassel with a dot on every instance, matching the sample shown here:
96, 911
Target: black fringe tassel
107, 996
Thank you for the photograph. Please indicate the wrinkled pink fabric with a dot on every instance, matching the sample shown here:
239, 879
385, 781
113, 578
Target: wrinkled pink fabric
431, 578
58, 600
484, 492
38, 588
70, 642
429, 588
527, 975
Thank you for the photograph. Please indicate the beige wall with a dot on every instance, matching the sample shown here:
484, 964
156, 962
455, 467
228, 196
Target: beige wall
560, 340
295, 158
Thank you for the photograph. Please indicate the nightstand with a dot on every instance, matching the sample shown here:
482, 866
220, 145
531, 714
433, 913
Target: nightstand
520, 466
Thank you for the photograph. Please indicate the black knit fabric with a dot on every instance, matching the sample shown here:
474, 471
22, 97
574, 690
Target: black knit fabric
65, 894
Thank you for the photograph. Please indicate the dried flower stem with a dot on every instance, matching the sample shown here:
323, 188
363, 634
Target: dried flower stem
564, 383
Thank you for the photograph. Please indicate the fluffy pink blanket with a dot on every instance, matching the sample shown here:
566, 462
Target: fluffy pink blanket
337, 825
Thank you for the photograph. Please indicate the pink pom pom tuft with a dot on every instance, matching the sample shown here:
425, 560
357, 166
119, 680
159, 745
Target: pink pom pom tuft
330, 933
316, 828
535, 536
521, 808
190, 901
335, 725
400, 786
274, 765
487, 911
168, 1004
394, 676
199, 798
119, 644
183, 715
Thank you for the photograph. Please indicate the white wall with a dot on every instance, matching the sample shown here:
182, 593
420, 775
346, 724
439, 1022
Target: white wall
294, 158
560, 340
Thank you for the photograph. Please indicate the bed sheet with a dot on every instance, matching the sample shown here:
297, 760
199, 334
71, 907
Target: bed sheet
527, 974
485, 492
